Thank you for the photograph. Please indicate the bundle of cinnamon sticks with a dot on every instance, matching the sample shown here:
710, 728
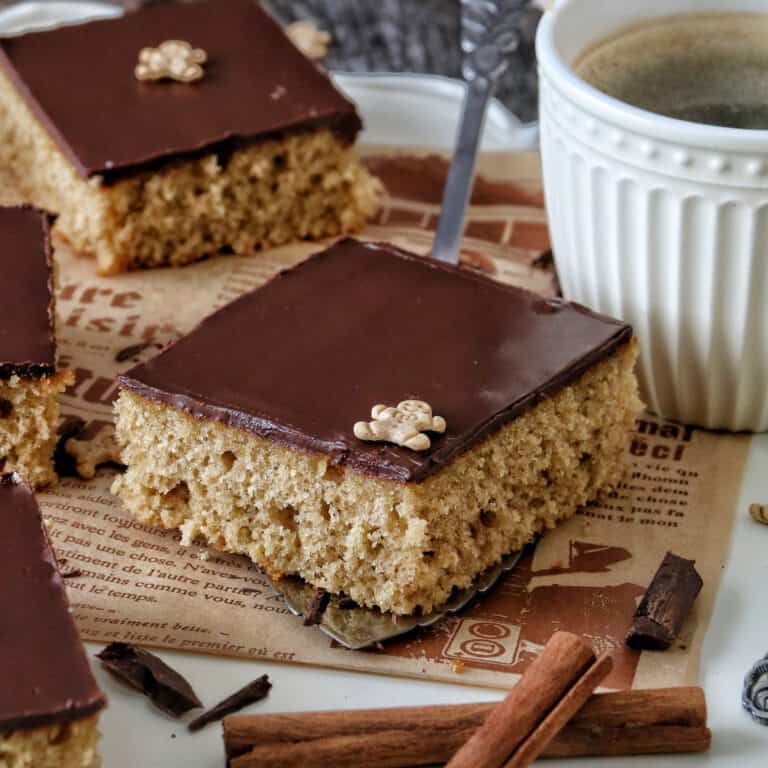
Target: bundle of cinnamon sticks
551, 712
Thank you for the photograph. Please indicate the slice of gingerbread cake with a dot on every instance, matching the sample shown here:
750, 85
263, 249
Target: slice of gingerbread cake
179, 131
49, 701
380, 424
29, 379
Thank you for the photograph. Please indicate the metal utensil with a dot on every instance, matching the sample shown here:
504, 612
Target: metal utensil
357, 628
488, 35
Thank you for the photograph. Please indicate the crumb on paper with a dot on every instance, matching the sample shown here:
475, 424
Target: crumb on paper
310, 40
457, 666
759, 513
92, 453
205, 555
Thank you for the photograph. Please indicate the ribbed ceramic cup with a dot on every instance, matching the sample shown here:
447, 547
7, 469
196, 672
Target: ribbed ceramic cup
660, 222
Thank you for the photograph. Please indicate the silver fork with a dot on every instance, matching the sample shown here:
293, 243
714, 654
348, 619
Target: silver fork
488, 35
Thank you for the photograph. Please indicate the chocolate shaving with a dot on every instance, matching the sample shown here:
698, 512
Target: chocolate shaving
665, 604
72, 573
250, 694
65, 464
545, 260
131, 352
316, 607
347, 604
147, 673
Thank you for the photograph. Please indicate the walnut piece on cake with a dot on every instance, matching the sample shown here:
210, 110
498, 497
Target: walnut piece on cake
257, 152
29, 380
249, 445
49, 701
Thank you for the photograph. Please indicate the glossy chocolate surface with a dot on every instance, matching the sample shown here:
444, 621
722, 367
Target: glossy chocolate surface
27, 344
43, 668
79, 81
304, 357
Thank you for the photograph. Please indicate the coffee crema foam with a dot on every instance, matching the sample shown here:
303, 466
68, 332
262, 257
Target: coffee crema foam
704, 68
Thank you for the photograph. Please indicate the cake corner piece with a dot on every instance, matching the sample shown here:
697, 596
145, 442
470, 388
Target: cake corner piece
30, 380
537, 398
49, 701
226, 163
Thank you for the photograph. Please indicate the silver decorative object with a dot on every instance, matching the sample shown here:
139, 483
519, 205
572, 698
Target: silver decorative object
488, 36
357, 628
754, 696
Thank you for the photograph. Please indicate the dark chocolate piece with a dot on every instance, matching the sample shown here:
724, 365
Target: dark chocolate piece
250, 694
134, 350
67, 572
317, 607
63, 462
147, 673
6, 408
44, 673
256, 86
27, 344
361, 324
665, 604
754, 695
347, 604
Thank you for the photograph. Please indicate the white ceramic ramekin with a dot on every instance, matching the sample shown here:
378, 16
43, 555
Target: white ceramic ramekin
661, 222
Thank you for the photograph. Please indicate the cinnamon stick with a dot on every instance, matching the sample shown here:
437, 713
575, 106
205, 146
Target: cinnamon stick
665, 720
558, 718
532, 712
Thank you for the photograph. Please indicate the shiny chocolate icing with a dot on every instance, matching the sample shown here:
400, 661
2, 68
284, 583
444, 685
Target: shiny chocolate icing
79, 81
27, 344
301, 359
45, 674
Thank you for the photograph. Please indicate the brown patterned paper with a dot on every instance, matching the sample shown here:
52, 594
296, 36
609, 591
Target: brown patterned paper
140, 586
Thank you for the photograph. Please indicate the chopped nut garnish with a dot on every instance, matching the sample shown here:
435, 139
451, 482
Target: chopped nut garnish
402, 425
171, 60
310, 40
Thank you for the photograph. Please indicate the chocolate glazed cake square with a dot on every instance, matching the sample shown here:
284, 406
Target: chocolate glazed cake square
179, 131
388, 428
49, 701
29, 379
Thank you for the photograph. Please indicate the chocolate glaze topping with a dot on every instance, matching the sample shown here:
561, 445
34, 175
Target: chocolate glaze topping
79, 81
27, 344
44, 671
304, 357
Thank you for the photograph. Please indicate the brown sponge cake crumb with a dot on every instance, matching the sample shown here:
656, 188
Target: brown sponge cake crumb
29, 380
261, 446
398, 546
62, 745
257, 152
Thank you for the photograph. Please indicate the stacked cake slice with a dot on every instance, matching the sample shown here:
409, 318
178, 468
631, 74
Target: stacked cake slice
49, 701
179, 131
29, 379
379, 424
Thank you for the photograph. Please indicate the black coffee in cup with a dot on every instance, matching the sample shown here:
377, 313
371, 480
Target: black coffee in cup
704, 68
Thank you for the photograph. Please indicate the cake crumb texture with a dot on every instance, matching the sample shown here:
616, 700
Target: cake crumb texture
401, 547
307, 185
29, 414
62, 745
